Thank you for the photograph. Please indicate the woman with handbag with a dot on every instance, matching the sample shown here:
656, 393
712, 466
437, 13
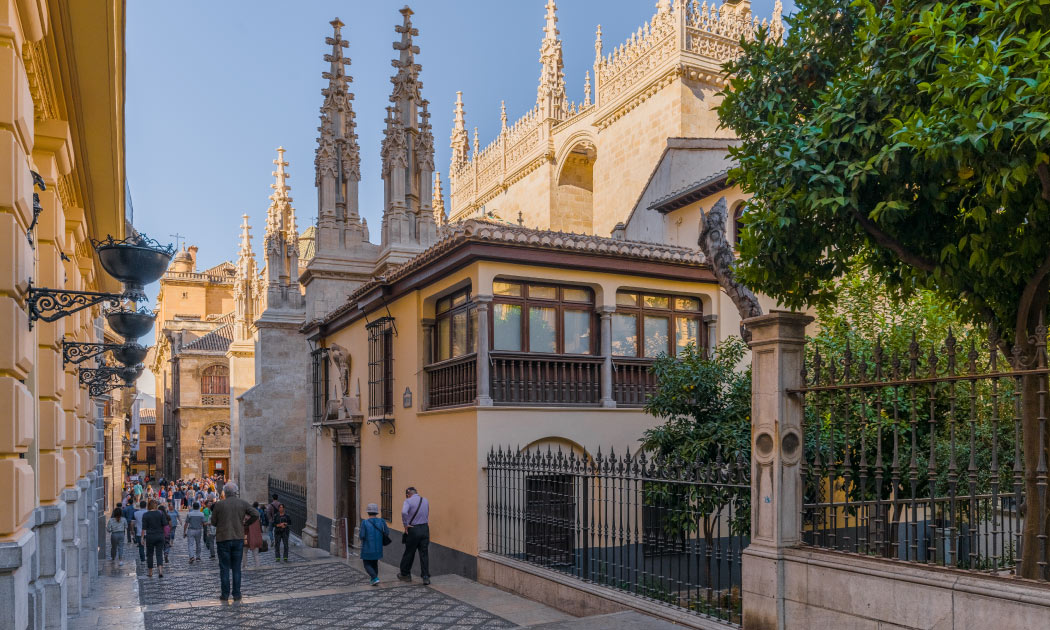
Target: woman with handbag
253, 539
374, 536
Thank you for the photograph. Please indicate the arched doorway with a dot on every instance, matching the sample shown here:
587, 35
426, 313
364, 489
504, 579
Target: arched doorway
215, 450
573, 207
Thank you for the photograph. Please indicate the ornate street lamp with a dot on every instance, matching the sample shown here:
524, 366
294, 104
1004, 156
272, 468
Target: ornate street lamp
136, 261
128, 353
103, 379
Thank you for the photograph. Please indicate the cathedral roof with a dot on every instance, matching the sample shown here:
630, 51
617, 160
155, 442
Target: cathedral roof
488, 231
307, 244
218, 340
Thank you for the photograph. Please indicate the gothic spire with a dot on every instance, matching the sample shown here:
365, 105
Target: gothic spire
550, 95
337, 160
440, 218
503, 116
245, 284
460, 140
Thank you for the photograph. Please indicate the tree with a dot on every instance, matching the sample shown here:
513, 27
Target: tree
908, 137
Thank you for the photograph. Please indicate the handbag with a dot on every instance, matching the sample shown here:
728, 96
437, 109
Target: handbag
404, 536
265, 547
386, 536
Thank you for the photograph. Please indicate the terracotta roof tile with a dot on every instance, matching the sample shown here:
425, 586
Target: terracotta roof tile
218, 340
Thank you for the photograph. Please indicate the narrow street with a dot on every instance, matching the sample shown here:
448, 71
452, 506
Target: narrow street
313, 590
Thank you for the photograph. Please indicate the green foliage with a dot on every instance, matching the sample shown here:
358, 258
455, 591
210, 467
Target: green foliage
906, 136
705, 403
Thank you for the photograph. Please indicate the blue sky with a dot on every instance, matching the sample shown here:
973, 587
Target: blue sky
214, 88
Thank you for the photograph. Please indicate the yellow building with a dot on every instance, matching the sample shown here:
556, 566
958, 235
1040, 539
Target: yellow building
193, 331
62, 117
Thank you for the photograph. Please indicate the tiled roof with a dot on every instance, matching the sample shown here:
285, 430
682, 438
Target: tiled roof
307, 244
148, 416
226, 318
478, 230
218, 340
226, 268
696, 191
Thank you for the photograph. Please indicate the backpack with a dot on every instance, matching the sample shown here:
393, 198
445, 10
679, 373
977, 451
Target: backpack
264, 520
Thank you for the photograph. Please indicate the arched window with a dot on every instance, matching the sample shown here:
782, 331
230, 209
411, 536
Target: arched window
738, 223
216, 380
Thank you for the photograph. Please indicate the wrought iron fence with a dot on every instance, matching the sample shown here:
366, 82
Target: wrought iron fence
293, 496
919, 454
665, 530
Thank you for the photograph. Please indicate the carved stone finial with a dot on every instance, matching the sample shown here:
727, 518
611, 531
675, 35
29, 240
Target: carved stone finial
460, 140
337, 159
438, 201
503, 115
550, 95
587, 89
475, 141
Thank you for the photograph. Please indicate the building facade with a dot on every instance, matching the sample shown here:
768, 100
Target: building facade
62, 119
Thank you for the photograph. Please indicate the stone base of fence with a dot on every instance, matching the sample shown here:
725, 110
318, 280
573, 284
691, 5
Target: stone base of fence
574, 596
824, 589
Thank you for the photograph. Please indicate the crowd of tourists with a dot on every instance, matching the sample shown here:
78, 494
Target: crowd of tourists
211, 516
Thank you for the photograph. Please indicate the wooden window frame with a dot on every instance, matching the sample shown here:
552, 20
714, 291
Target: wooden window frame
210, 381
672, 314
468, 307
560, 305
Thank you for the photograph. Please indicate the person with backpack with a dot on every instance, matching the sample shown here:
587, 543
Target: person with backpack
264, 520
271, 511
374, 536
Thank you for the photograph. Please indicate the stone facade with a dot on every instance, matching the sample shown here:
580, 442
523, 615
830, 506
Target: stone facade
60, 64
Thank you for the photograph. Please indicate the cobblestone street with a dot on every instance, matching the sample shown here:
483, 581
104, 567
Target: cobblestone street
312, 591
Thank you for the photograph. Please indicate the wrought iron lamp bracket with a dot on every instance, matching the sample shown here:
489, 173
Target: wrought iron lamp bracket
53, 304
38, 181
102, 380
79, 351
379, 422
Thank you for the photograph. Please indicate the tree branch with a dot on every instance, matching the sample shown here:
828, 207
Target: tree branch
1044, 178
892, 244
719, 254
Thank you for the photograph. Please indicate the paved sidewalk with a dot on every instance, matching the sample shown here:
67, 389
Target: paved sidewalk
313, 591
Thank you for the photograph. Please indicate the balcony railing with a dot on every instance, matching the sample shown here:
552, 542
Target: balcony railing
545, 379
453, 382
632, 381
215, 400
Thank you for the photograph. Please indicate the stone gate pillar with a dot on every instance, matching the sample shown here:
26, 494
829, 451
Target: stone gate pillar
777, 348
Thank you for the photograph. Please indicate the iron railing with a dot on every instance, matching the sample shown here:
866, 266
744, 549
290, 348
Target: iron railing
293, 496
539, 379
452, 383
668, 531
917, 454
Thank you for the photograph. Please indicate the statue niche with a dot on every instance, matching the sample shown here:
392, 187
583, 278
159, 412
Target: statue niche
341, 405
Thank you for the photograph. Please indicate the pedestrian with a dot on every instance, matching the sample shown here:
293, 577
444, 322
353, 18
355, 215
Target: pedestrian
209, 530
179, 495
129, 518
193, 529
374, 535
173, 516
117, 528
137, 519
228, 517
137, 490
415, 515
282, 525
271, 511
153, 523
253, 539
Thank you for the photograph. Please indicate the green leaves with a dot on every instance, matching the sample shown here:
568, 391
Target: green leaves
926, 118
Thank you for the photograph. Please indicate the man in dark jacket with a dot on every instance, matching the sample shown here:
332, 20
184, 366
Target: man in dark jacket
229, 518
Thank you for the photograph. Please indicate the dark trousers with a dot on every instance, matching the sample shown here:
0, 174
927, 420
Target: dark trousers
142, 548
154, 548
231, 554
371, 568
418, 540
280, 537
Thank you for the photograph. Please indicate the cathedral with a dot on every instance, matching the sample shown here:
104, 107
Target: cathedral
525, 312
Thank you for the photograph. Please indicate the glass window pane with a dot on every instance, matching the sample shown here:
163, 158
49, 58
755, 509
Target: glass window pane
655, 336
540, 292
473, 338
459, 334
624, 335
686, 304
576, 295
626, 299
656, 301
687, 331
506, 325
506, 288
458, 299
443, 339
543, 335
442, 305
577, 332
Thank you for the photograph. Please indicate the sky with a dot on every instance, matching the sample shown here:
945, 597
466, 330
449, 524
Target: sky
213, 88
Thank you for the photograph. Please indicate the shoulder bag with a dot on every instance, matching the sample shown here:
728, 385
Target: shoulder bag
385, 535
404, 536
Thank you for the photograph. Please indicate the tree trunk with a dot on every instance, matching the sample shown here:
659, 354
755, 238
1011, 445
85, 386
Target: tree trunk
719, 254
1034, 437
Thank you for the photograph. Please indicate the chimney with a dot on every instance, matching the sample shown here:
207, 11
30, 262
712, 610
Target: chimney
192, 249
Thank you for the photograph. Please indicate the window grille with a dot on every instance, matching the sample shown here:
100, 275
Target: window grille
381, 368
386, 493
319, 372
216, 380
151, 454
151, 433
